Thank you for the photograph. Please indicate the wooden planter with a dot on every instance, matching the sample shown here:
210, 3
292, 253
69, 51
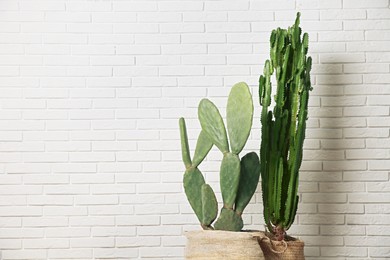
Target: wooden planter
213, 245
282, 250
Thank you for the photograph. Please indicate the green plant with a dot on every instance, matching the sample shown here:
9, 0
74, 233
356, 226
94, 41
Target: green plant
238, 178
283, 130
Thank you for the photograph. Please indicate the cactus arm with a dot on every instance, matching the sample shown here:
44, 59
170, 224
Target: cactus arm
250, 173
203, 146
239, 116
185, 151
212, 123
193, 181
290, 220
209, 206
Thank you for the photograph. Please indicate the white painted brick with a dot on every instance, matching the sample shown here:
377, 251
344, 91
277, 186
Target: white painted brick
367, 153
380, 13
10, 244
18, 233
318, 4
66, 189
24, 254
91, 221
379, 252
368, 46
64, 211
165, 252
45, 243
378, 79
368, 198
100, 242
343, 14
110, 210
156, 209
64, 38
42, 200
137, 241
67, 232
192, 38
350, 165
342, 36
86, 178
76, 6
364, 4
337, 144
122, 17
42, 28
69, 254
344, 251
117, 253
23, 16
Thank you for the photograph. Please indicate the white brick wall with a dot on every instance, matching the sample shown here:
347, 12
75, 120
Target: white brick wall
90, 95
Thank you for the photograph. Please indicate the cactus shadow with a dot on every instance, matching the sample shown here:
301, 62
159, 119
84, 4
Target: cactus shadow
324, 191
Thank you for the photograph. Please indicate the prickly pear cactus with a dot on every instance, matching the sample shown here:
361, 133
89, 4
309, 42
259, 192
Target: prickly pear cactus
238, 179
283, 129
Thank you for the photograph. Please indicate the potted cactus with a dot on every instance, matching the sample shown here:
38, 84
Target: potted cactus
238, 180
283, 133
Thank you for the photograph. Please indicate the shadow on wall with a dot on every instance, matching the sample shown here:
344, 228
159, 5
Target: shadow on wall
327, 179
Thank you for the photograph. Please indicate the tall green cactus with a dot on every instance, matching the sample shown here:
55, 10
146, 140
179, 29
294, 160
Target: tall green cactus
238, 179
283, 129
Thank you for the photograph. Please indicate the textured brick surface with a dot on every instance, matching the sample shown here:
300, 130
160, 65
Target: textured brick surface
90, 94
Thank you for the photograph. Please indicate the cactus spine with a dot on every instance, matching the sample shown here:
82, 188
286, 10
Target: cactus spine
283, 129
238, 179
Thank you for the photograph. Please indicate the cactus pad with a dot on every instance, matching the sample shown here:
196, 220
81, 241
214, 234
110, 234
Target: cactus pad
229, 179
239, 115
209, 205
249, 178
193, 181
203, 147
229, 220
185, 150
212, 124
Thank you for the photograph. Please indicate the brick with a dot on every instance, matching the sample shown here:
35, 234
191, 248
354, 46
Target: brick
116, 253
379, 13
91, 221
45, 243
318, 4
364, 4
181, 28
348, 165
365, 176
368, 198
344, 251
24, 254
324, 198
340, 230
366, 241
69, 254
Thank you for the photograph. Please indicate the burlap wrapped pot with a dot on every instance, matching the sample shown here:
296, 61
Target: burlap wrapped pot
223, 245
282, 250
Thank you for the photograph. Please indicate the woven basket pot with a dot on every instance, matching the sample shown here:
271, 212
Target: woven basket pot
282, 250
223, 245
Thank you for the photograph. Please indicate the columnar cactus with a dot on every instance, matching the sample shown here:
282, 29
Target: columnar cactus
238, 178
283, 129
